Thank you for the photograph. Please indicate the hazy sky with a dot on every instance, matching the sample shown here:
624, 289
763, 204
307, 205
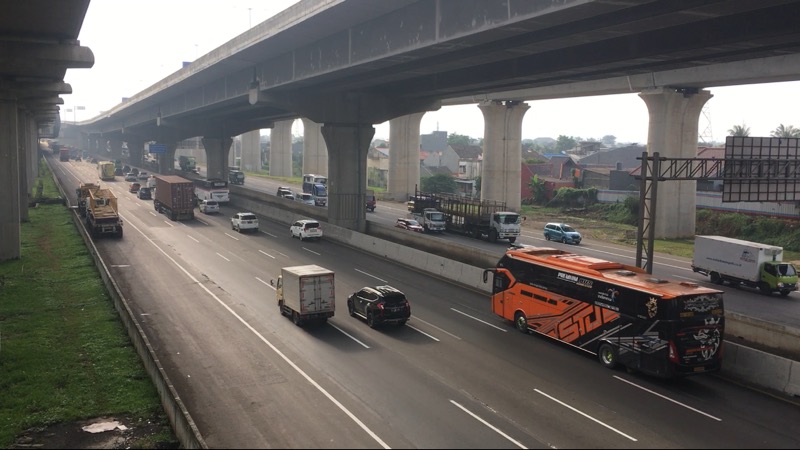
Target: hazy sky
136, 43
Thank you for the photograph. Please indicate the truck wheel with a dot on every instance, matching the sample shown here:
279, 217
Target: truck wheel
764, 288
296, 319
280, 307
492, 235
607, 355
715, 278
511, 240
521, 322
477, 233
785, 293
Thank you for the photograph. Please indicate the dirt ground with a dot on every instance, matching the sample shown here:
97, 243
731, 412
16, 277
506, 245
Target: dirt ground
110, 433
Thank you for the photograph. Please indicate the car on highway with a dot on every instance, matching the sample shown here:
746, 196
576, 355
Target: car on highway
305, 199
208, 206
144, 193
283, 190
379, 305
409, 224
306, 229
134, 187
244, 221
130, 176
143, 175
561, 232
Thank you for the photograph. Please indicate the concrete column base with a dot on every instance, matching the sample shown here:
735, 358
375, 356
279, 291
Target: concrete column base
217, 155
502, 152
280, 149
315, 152
403, 156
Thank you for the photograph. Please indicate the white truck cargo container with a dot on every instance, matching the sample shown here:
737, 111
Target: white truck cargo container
740, 262
306, 293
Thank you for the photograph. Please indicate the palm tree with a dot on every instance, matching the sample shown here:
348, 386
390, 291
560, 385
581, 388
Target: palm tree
787, 131
740, 130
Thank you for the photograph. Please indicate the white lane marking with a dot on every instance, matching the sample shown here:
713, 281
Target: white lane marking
311, 251
373, 276
120, 265
169, 223
259, 279
201, 221
262, 251
190, 237
479, 320
272, 346
434, 326
422, 332
490, 426
349, 335
226, 259
284, 255
231, 236
586, 415
669, 399
154, 214
269, 234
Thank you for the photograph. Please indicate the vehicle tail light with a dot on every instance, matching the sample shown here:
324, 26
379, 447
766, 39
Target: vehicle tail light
673, 353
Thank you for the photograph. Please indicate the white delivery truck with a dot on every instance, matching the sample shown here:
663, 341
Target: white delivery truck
306, 293
740, 262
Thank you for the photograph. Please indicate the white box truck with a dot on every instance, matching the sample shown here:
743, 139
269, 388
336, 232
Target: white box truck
306, 293
740, 262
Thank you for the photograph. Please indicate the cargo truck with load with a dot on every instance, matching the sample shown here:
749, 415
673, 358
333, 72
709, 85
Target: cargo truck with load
102, 214
472, 216
174, 197
317, 186
83, 196
63, 154
306, 293
187, 163
105, 169
744, 263
423, 208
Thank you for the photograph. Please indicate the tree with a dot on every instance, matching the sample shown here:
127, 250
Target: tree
564, 143
538, 193
785, 131
439, 183
458, 139
739, 130
609, 140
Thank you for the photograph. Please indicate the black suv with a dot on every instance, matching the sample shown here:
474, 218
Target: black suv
379, 305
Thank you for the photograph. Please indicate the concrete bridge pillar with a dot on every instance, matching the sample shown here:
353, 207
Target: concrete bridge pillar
347, 174
135, 151
116, 148
26, 175
166, 160
315, 152
673, 132
403, 156
217, 150
502, 152
251, 151
280, 149
10, 237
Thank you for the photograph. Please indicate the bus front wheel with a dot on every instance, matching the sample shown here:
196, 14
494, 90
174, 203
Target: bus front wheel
521, 322
607, 355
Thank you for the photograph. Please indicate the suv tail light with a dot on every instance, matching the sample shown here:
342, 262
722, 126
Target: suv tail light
673, 353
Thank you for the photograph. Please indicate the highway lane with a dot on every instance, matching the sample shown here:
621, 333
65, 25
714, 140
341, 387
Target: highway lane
455, 376
749, 302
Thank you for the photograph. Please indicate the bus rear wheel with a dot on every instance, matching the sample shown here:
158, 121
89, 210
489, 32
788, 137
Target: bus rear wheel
521, 322
607, 355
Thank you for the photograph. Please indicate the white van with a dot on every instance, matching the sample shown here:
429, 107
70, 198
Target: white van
308, 199
209, 206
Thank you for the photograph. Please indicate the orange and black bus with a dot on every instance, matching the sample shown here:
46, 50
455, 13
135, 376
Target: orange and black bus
619, 312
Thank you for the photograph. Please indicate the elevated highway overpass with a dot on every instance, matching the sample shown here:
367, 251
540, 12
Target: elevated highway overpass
350, 64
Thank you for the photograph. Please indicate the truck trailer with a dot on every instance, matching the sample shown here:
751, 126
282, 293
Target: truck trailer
102, 214
744, 263
187, 163
174, 197
105, 169
306, 293
82, 193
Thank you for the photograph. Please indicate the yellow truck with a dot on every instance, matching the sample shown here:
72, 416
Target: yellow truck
106, 170
102, 214
83, 196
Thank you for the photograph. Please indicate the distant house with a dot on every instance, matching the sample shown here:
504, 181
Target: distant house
377, 167
470, 159
620, 158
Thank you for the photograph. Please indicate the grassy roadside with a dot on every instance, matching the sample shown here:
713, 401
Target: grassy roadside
64, 354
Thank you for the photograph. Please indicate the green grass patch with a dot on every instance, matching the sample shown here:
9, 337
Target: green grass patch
64, 354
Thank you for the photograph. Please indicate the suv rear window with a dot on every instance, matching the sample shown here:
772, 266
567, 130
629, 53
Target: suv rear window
394, 298
312, 225
248, 217
211, 202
